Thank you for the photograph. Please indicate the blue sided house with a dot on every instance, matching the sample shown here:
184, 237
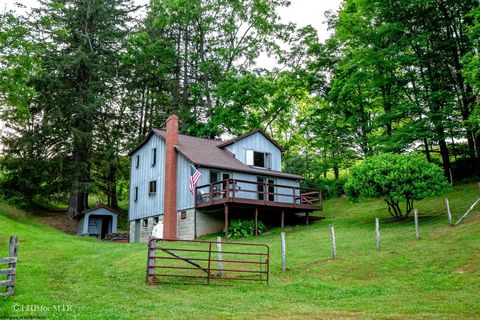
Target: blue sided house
240, 178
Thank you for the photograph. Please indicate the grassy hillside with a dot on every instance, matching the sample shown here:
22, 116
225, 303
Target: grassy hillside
437, 277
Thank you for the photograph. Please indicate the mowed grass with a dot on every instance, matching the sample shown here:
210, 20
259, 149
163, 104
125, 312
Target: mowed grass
436, 277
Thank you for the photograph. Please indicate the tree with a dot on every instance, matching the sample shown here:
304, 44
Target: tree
76, 83
396, 178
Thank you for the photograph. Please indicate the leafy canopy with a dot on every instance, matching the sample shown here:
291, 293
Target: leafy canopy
396, 178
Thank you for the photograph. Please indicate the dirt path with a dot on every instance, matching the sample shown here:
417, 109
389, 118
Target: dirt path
57, 219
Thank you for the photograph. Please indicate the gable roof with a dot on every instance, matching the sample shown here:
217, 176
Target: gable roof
248, 134
209, 153
100, 206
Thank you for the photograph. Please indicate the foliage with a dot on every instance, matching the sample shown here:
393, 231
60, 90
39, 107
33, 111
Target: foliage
333, 187
82, 82
244, 228
308, 167
396, 178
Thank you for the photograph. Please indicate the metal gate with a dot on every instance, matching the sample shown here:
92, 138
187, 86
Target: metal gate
199, 261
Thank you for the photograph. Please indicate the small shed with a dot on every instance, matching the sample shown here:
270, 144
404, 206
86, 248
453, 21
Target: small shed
97, 222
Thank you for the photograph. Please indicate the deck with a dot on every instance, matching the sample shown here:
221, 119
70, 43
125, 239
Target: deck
258, 194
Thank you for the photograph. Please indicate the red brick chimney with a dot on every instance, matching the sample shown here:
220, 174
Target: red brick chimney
170, 200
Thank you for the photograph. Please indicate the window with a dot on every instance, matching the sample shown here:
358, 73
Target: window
135, 194
155, 220
138, 161
214, 176
145, 223
152, 187
260, 189
154, 157
258, 159
269, 190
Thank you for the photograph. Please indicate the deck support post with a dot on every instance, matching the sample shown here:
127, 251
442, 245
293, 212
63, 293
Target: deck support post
307, 218
226, 222
256, 221
282, 219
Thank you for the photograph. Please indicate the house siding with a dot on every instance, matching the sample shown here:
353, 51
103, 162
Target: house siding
185, 199
147, 205
288, 198
256, 142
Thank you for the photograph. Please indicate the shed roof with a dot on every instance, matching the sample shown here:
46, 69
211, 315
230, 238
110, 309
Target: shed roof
100, 206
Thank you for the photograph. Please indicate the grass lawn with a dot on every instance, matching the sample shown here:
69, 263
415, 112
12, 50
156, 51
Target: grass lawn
437, 277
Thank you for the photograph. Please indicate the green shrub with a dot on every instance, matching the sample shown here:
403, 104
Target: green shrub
244, 228
396, 178
333, 187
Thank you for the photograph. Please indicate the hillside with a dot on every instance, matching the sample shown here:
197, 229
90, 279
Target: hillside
437, 277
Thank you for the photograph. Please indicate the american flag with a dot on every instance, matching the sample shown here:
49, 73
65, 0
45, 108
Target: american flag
194, 177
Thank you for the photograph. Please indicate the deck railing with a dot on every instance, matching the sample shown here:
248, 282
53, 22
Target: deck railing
231, 190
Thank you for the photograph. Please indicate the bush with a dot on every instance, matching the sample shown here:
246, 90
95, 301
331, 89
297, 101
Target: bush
396, 178
244, 228
333, 187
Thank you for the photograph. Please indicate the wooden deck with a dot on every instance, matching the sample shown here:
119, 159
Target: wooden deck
257, 194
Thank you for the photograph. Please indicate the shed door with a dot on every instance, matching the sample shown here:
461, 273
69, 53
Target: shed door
136, 236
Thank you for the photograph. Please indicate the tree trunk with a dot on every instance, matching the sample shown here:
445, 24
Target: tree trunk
113, 187
445, 156
78, 199
427, 150
336, 171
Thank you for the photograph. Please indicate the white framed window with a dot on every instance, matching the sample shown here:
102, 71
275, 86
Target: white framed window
145, 223
154, 157
258, 159
137, 162
135, 194
152, 187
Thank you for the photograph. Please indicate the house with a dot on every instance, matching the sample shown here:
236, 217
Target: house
240, 178
97, 222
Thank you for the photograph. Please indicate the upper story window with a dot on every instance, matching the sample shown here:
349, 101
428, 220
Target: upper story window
135, 194
259, 159
137, 162
152, 187
154, 156
214, 176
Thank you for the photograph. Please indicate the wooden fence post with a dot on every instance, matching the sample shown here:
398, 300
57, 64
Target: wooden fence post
284, 252
11, 261
377, 232
151, 262
417, 230
449, 213
334, 246
13, 252
219, 256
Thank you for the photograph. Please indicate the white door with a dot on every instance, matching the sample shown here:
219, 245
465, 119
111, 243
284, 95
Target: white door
157, 231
